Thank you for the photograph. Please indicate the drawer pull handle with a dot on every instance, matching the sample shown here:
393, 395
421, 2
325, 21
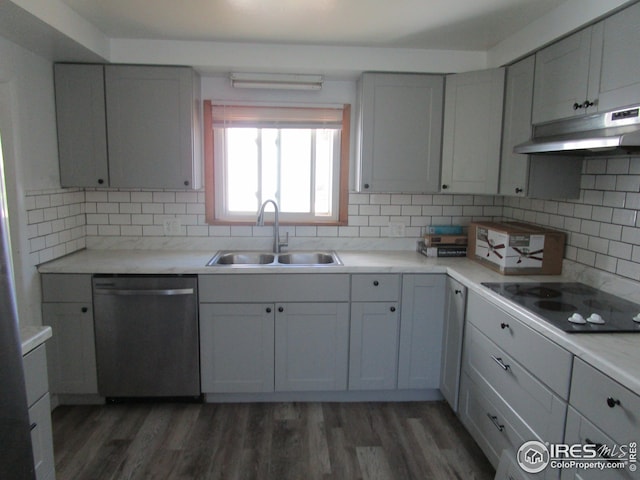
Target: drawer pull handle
504, 325
499, 361
494, 420
612, 402
33, 426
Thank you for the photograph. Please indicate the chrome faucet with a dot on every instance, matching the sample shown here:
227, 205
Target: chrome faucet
277, 244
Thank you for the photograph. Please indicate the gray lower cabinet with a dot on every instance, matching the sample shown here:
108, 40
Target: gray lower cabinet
373, 355
311, 346
67, 309
236, 347
35, 373
454, 314
421, 323
128, 126
266, 333
375, 328
508, 393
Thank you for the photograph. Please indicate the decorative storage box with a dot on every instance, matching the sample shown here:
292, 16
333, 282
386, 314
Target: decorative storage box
514, 248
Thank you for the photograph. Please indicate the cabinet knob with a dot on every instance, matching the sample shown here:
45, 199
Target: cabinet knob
376, 283
612, 402
504, 325
458, 292
366, 185
281, 309
587, 104
445, 186
518, 190
268, 309
84, 309
393, 309
577, 106
100, 181
186, 183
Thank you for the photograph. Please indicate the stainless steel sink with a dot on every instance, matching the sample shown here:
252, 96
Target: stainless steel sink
307, 258
242, 258
262, 259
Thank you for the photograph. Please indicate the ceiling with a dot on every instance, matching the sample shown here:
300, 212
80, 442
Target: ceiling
475, 25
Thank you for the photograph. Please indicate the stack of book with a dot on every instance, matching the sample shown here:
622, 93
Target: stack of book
444, 241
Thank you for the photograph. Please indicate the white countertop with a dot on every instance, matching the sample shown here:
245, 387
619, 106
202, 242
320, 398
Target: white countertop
33, 336
617, 355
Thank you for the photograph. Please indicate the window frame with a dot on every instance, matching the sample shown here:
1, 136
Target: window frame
210, 174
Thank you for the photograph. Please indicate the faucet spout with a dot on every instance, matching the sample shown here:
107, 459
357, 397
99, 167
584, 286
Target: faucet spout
277, 244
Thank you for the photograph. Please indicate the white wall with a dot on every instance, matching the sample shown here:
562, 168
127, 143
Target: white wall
27, 120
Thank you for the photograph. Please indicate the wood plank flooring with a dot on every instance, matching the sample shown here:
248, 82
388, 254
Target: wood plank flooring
264, 441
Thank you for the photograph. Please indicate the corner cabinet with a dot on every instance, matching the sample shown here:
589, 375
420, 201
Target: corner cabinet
454, 314
400, 132
128, 126
472, 132
548, 176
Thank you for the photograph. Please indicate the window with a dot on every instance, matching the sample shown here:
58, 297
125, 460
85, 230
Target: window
297, 156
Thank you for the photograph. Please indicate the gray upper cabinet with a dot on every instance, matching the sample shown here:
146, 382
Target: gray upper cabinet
128, 126
531, 175
595, 69
150, 125
82, 129
561, 80
400, 132
472, 132
619, 83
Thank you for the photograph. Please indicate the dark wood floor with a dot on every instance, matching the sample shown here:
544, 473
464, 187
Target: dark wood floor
278, 441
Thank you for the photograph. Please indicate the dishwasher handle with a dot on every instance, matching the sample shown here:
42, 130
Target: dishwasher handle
143, 291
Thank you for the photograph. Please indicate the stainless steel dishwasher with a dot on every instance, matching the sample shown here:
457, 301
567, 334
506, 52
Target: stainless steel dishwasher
146, 331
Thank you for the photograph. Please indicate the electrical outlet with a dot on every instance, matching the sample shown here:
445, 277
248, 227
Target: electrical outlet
396, 229
171, 226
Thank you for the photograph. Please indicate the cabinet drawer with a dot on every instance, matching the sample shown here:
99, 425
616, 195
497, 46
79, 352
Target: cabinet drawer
609, 405
375, 288
543, 411
62, 288
295, 287
581, 431
547, 361
35, 374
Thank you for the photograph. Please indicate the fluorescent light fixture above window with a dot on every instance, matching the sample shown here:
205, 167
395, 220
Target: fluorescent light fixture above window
276, 81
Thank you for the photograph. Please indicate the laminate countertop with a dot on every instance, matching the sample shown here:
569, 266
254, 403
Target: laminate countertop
617, 355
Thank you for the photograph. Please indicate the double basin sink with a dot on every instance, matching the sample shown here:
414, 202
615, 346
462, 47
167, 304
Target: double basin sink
253, 259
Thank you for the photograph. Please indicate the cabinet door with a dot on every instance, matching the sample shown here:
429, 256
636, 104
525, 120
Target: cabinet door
236, 348
421, 324
81, 122
373, 352
312, 342
42, 438
455, 302
401, 128
71, 351
561, 78
518, 101
472, 132
619, 82
149, 120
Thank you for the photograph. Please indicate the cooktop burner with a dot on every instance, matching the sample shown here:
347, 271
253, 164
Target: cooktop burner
573, 307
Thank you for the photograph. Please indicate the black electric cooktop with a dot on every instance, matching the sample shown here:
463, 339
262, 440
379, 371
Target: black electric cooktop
573, 307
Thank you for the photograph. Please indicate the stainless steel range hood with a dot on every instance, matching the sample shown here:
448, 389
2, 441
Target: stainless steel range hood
611, 133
